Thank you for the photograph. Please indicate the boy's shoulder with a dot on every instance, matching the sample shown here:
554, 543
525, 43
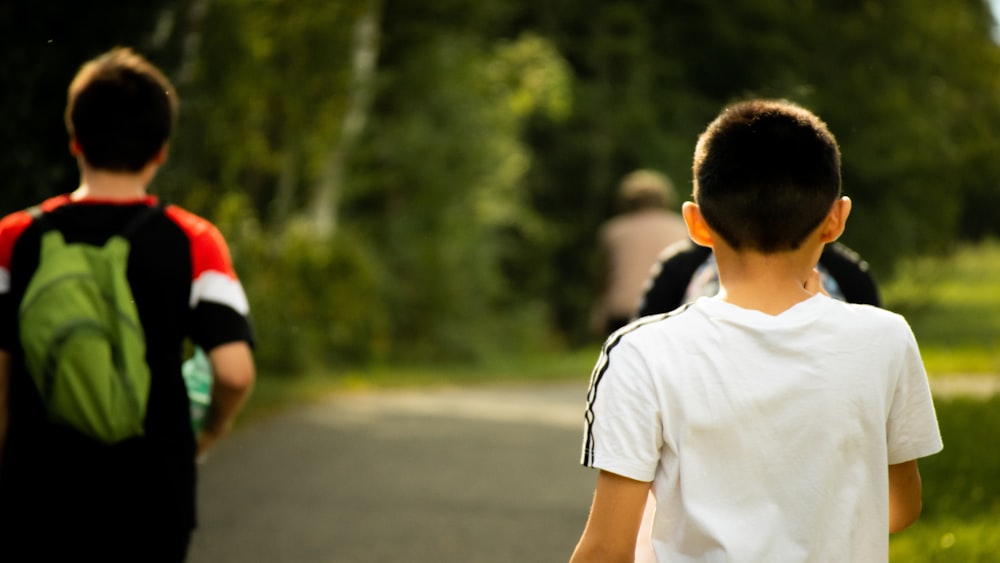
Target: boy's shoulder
702, 316
14, 224
205, 237
11, 228
191, 223
870, 314
651, 325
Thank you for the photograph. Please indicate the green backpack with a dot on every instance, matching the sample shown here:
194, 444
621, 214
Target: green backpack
83, 344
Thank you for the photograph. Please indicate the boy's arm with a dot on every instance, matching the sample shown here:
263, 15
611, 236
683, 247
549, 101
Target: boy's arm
615, 516
912, 432
905, 492
233, 377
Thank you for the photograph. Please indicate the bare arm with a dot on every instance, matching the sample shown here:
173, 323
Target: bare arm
233, 377
615, 516
904, 495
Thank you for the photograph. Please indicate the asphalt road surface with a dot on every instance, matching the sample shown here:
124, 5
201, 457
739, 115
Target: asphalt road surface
465, 475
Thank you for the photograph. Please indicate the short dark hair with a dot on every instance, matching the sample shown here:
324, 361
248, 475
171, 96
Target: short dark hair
766, 174
121, 110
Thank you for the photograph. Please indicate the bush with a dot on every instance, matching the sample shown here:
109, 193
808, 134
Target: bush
314, 304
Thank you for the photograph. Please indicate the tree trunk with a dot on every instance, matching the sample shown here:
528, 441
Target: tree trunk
329, 185
191, 42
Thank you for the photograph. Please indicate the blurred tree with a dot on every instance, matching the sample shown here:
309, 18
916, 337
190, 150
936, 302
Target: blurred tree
43, 43
440, 186
364, 53
268, 95
272, 112
911, 106
910, 89
411, 180
425, 194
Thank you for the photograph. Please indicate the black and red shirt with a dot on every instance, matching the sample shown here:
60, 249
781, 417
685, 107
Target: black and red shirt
184, 286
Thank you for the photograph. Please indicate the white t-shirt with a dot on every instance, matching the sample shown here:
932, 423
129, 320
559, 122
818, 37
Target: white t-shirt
766, 438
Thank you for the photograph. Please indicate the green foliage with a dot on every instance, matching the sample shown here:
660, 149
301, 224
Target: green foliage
467, 212
903, 85
441, 191
265, 100
314, 304
428, 205
952, 301
911, 135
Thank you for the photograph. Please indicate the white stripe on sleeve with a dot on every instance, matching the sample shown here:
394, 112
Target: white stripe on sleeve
217, 287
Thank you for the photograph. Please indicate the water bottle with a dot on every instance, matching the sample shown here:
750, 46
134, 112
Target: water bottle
197, 372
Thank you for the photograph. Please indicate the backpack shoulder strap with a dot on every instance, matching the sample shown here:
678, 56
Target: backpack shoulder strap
39, 216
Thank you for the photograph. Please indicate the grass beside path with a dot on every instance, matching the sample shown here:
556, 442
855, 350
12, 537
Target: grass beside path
961, 517
274, 393
953, 304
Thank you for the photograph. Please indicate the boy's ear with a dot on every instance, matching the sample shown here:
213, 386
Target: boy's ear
74, 147
161, 155
836, 220
697, 227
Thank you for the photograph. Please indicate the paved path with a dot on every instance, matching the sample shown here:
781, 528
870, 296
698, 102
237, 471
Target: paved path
970, 385
485, 474
445, 476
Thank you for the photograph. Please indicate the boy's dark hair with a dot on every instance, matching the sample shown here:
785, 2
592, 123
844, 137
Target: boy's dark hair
121, 110
766, 174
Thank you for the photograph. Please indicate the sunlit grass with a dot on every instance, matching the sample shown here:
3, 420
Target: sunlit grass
949, 540
953, 304
969, 359
961, 518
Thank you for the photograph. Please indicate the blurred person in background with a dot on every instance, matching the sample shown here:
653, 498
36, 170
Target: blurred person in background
630, 244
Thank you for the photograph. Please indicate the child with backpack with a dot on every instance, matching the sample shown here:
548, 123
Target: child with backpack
99, 291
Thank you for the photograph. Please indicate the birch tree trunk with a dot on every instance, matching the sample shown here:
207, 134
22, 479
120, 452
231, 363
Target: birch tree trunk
323, 208
191, 42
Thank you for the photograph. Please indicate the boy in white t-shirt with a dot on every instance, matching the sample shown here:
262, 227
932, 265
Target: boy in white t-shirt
770, 422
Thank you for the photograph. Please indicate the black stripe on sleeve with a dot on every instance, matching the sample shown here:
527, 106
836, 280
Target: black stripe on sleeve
214, 324
587, 459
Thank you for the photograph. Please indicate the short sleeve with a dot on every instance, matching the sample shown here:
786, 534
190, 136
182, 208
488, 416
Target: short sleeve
220, 310
623, 433
912, 428
11, 228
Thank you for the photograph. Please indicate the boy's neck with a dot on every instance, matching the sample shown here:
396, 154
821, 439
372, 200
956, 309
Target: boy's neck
105, 184
769, 283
